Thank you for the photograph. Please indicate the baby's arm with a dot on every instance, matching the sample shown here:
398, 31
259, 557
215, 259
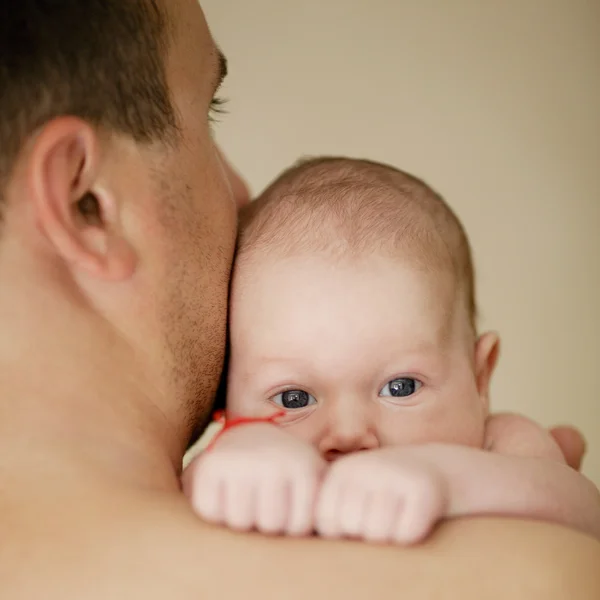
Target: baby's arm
399, 494
519, 486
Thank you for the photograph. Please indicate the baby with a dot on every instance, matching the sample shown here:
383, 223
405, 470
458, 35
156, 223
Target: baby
353, 321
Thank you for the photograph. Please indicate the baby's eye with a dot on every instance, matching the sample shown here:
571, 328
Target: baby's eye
294, 399
401, 388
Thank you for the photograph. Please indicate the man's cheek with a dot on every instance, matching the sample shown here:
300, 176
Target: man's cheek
239, 187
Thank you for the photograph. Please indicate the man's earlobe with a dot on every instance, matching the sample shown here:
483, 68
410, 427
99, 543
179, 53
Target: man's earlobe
487, 351
78, 218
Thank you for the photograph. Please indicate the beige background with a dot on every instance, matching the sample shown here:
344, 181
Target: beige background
495, 103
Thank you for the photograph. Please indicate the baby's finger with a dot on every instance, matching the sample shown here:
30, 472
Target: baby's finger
418, 516
273, 504
326, 508
381, 516
572, 444
240, 504
351, 511
207, 496
301, 515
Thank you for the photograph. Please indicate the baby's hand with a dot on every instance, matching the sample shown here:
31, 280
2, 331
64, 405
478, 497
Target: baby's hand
256, 477
387, 495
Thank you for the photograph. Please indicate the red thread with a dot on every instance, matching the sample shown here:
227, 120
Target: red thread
238, 422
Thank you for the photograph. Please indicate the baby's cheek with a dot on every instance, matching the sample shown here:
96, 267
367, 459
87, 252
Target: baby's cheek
462, 414
468, 428
409, 427
303, 425
447, 425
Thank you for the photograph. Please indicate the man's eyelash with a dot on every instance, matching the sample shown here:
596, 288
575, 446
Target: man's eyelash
217, 108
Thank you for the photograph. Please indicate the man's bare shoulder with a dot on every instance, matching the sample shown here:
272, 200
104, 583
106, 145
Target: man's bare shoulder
153, 547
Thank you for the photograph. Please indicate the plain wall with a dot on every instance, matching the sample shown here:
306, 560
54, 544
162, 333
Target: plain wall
497, 105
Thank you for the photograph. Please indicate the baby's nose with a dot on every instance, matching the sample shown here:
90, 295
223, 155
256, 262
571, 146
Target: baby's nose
348, 430
333, 454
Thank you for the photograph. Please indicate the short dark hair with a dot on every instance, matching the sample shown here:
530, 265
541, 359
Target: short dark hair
100, 60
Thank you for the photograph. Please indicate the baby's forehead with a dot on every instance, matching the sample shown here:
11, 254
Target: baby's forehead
373, 304
353, 208
349, 207
319, 276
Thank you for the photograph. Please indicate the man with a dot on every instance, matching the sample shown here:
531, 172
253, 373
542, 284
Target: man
116, 241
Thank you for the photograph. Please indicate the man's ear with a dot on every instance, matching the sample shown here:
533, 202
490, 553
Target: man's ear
487, 350
79, 219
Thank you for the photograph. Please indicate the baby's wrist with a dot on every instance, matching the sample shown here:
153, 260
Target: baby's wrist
230, 423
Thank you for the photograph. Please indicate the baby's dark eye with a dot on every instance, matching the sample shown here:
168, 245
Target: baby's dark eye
401, 388
294, 399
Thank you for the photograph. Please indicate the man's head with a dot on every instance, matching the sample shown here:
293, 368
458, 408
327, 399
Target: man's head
101, 60
353, 307
116, 205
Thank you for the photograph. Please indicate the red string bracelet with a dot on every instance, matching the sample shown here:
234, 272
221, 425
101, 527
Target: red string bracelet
238, 422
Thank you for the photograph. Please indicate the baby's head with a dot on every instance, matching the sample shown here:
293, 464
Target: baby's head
353, 309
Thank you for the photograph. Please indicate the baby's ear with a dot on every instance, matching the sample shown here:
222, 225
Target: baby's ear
487, 350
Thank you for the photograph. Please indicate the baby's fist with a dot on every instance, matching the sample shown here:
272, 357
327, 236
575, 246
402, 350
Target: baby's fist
383, 496
256, 477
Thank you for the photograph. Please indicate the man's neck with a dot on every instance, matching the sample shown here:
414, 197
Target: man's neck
73, 390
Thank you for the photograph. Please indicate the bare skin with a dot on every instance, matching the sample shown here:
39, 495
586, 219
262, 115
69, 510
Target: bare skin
323, 341
101, 323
